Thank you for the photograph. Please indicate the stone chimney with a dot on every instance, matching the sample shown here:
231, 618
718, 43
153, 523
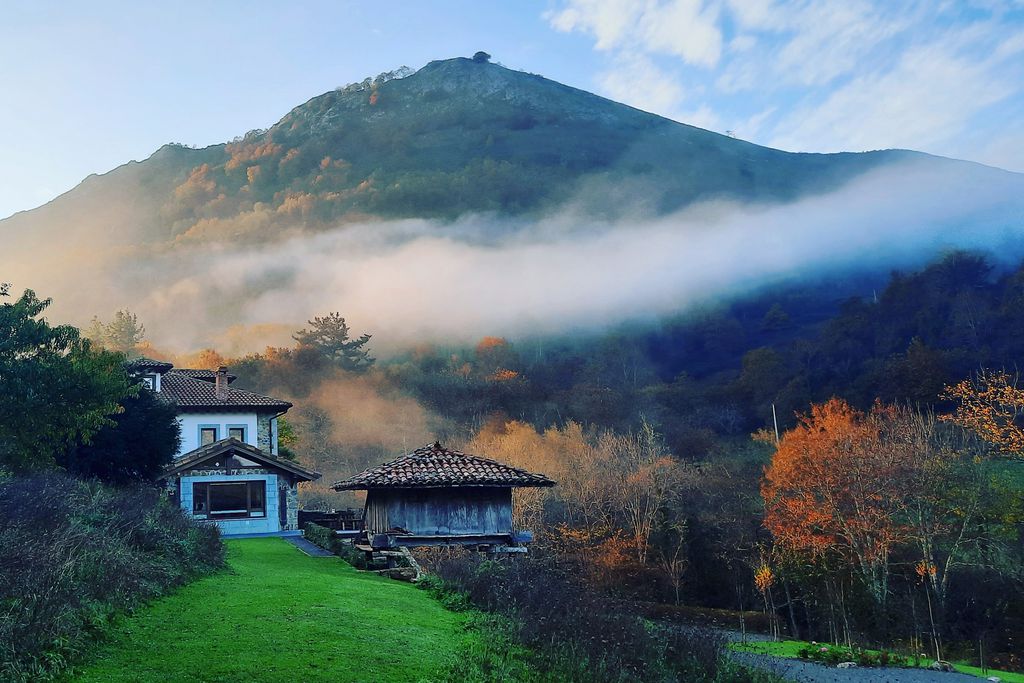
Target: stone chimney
221, 384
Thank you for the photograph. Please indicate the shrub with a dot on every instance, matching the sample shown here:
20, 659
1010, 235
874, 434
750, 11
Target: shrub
328, 540
578, 633
835, 654
74, 553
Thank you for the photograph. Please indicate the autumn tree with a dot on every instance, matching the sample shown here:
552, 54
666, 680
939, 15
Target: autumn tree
647, 475
992, 406
838, 484
329, 336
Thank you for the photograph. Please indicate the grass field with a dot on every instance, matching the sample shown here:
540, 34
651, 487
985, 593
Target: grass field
279, 615
791, 649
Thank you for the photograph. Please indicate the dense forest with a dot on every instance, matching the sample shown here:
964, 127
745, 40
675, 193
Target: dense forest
671, 472
842, 455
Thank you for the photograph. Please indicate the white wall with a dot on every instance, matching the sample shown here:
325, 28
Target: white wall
190, 423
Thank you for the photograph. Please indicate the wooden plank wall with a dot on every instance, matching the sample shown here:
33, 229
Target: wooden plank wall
441, 512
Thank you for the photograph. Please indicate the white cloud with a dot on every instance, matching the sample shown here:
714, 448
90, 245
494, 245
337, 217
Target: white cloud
851, 75
637, 81
927, 98
687, 29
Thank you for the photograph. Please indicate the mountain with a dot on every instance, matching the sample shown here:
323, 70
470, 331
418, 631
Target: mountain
456, 136
262, 232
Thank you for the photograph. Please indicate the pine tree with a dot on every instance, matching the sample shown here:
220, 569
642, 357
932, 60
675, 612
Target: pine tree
329, 335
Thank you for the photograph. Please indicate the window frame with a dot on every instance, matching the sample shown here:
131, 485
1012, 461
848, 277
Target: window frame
199, 434
243, 427
201, 493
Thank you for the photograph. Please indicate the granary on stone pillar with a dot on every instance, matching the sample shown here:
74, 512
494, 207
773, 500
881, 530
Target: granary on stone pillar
439, 496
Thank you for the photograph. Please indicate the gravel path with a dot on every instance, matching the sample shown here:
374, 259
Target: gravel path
799, 670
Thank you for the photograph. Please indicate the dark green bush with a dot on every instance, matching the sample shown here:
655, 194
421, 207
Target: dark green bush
328, 540
574, 631
75, 553
836, 654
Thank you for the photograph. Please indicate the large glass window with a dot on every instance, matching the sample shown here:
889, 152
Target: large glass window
229, 499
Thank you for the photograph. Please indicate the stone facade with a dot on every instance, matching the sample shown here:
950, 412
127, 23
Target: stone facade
264, 436
292, 504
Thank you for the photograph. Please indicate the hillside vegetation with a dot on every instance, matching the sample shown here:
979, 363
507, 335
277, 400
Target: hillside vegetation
456, 136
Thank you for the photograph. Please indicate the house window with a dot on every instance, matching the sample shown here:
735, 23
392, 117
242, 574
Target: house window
237, 432
229, 499
149, 381
207, 435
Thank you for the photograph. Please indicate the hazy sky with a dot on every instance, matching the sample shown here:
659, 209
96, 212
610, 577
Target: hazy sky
85, 87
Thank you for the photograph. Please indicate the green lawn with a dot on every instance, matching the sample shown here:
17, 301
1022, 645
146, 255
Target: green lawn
279, 615
791, 649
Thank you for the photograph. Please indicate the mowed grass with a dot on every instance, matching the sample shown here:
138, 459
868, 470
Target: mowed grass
791, 650
280, 615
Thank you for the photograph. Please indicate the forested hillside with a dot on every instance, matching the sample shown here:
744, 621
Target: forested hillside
455, 137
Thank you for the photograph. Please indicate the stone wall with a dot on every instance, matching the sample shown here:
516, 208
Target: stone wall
264, 440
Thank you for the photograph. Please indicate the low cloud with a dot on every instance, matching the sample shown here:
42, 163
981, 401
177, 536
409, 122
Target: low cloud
416, 281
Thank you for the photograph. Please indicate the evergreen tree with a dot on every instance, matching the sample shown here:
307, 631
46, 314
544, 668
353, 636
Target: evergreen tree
329, 336
123, 333
56, 389
143, 437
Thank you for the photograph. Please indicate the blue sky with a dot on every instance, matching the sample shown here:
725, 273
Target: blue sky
88, 86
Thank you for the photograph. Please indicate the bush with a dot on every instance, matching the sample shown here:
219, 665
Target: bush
74, 553
836, 654
576, 632
328, 540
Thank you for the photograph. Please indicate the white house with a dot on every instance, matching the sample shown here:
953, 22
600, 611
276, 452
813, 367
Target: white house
228, 469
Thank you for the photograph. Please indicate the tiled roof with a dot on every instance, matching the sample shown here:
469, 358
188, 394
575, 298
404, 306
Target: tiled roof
436, 466
196, 393
205, 375
232, 445
141, 364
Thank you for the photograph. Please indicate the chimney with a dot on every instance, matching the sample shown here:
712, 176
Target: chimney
221, 384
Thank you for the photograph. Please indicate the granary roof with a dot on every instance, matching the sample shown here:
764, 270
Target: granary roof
231, 446
434, 466
188, 392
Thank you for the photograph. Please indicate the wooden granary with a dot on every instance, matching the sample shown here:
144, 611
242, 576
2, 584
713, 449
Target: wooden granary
438, 496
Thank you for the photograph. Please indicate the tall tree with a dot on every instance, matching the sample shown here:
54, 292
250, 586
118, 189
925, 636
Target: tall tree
143, 437
329, 335
56, 388
123, 333
837, 484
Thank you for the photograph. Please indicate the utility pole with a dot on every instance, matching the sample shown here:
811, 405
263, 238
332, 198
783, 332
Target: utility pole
775, 420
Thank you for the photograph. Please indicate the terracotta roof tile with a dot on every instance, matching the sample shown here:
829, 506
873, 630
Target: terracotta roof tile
142, 364
436, 466
205, 375
187, 392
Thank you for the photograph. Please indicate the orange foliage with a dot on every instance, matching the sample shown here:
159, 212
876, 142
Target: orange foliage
503, 375
839, 482
199, 186
990, 405
489, 343
244, 152
764, 578
207, 359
